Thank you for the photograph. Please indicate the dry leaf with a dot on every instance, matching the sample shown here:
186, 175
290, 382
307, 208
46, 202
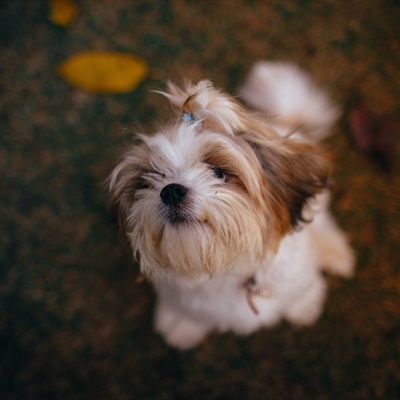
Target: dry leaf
104, 72
63, 12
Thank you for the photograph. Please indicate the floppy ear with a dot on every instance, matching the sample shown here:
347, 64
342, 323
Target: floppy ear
125, 180
121, 194
294, 172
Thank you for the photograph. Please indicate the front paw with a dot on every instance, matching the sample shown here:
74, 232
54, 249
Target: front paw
338, 257
177, 330
306, 309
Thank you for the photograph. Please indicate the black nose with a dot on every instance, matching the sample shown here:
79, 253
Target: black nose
173, 194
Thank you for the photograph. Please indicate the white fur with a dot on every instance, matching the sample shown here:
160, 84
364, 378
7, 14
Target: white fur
287, 94
222, 270
187, 313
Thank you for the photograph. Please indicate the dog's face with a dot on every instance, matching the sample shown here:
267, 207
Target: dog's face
213, 188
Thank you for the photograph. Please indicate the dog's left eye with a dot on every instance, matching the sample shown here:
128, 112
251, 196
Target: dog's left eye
147, 179
142, 183
219, 173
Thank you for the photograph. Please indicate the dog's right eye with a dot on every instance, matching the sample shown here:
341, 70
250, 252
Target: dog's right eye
219, 173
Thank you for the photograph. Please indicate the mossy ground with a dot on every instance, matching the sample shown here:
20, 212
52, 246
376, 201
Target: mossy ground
73, 323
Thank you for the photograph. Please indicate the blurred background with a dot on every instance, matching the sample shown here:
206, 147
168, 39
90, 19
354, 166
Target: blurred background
73, 322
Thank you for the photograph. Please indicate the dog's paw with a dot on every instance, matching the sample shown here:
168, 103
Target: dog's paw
307, 309
338, 257
335, 253
177, 330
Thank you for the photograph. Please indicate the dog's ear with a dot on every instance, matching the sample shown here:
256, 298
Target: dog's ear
125, 180
121, 192
294, 172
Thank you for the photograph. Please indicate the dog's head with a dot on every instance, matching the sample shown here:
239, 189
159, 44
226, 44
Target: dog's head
214, 186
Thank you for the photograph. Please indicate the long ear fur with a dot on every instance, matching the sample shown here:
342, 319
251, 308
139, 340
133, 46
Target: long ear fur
125, 179
295, 171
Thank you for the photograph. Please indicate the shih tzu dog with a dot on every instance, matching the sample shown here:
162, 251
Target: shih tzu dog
226, 209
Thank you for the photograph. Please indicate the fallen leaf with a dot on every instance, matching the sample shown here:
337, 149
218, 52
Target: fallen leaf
104, 72
63, 12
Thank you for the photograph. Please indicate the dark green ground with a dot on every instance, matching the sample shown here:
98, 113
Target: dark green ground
73, 324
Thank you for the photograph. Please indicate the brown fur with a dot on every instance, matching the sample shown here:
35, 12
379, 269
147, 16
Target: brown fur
295, 173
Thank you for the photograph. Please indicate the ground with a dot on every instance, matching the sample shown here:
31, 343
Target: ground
73, 322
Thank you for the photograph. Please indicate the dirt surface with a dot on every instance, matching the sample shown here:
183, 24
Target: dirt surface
73, 323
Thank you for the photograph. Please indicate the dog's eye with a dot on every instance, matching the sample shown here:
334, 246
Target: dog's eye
142, 183
147, 180
219, 173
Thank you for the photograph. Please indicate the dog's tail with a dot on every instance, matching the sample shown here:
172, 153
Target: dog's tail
291, 100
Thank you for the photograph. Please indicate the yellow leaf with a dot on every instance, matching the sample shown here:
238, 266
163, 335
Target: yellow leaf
63, 12
104, 72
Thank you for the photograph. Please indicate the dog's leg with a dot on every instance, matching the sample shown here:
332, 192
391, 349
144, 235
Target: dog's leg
336, 255
306, 309
178, 330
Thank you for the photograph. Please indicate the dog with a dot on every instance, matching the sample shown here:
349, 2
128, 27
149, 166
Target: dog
226, 207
